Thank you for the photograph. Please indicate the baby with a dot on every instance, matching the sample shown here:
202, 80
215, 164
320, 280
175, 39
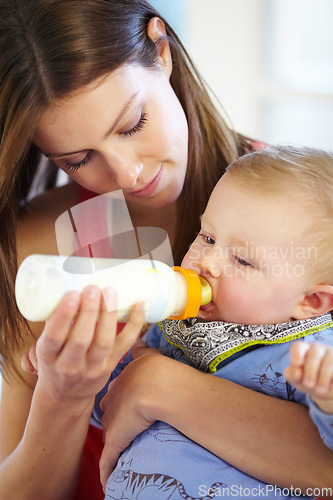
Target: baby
265, 247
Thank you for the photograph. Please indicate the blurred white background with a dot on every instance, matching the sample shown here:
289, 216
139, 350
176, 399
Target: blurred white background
269, 62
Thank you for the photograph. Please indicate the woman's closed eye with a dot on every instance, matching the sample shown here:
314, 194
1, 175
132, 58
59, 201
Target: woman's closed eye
73, 167
139, 125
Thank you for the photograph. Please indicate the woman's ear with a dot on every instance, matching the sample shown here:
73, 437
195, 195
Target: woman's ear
315, 303
156, 32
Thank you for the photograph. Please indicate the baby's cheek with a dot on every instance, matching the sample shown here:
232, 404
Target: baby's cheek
234, 304
191, 259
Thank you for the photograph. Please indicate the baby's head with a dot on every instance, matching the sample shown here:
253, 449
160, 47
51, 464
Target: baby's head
266, 238
302, 179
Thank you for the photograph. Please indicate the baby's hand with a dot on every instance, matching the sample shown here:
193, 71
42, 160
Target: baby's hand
311, 371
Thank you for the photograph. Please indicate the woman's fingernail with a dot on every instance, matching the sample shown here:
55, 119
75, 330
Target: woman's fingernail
140, 306
110, 298
73, 299
92, 292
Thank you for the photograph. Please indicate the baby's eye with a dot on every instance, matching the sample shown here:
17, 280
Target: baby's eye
208, 239
243, 262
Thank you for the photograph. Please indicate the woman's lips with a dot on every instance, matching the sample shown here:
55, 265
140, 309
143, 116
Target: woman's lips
149, 188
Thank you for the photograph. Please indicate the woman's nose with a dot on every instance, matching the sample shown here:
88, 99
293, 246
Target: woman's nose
127, 176
125, 170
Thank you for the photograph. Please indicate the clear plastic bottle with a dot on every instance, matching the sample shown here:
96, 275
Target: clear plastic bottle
42, 280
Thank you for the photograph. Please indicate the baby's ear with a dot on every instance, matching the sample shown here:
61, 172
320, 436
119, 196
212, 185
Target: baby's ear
315, 303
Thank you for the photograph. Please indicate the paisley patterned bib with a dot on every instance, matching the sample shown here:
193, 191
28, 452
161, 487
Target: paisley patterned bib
207, 343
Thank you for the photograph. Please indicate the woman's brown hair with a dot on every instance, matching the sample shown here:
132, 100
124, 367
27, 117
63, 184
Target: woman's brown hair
50, 48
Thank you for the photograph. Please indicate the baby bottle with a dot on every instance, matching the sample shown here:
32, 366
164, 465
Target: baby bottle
42, 280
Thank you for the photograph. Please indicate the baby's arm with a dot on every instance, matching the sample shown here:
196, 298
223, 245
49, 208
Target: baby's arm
311, 371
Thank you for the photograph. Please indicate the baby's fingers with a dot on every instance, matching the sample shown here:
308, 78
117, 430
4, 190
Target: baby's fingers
298, 352
313, 365
293, 374
325, 376
294, 371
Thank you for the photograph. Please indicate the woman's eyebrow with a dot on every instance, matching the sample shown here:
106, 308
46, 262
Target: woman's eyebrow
123, 111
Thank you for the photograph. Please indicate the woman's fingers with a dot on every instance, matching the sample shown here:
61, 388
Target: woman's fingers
27, 364
126, 338
57, 328
82, 332
108, 461
107, 345
106, 329
81, 335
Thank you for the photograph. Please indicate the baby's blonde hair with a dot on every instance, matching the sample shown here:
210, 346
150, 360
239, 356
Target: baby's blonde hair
301, 175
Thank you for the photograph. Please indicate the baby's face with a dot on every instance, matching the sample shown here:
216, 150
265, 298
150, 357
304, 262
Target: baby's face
251, 250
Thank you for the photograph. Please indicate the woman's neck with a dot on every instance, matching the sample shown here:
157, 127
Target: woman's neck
164, 218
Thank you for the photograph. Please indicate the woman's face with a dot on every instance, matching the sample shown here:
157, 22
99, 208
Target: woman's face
127, 131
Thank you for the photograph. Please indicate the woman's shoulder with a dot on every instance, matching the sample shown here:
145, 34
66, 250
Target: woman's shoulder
36, 228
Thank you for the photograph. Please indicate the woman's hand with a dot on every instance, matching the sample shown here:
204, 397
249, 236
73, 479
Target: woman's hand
126, 406
79, 346
73, 358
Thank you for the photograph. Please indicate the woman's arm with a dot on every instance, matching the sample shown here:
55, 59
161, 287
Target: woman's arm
271, 439
74, 360
29, 467
40, 453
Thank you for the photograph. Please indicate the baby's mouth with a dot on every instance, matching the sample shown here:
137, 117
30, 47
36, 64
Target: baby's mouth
207, 306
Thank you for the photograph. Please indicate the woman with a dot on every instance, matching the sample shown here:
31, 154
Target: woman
98, 88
